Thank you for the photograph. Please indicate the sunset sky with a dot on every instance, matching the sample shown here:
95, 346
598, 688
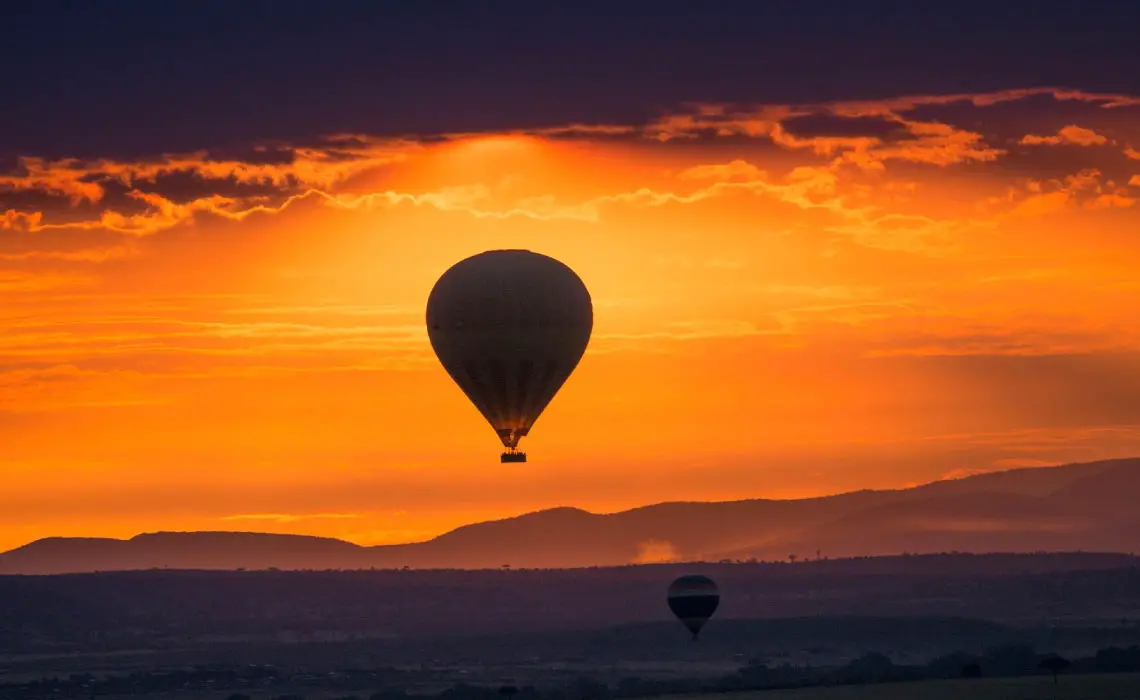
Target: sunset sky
825, 252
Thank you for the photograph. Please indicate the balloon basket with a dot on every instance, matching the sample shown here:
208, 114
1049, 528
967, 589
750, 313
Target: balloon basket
512, 456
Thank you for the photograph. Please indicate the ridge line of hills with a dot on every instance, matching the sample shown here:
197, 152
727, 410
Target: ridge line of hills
1067, 508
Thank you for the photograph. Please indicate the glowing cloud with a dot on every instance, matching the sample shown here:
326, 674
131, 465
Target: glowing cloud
1070, 135
238, 336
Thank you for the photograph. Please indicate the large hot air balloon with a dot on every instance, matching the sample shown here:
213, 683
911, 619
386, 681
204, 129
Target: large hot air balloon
693, 599
509, 326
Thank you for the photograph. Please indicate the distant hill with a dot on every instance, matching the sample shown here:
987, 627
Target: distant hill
182, 550
1072, 507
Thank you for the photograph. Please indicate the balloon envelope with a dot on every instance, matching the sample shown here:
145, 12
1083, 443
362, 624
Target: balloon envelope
693, 599
509, 326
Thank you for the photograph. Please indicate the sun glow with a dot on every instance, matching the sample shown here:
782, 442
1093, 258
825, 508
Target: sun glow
197, 338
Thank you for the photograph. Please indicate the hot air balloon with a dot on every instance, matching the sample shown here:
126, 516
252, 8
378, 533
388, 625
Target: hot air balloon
509, 326
693, 599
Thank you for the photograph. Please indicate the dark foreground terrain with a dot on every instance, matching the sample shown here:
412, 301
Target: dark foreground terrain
174, 609
1003, 671
573, 634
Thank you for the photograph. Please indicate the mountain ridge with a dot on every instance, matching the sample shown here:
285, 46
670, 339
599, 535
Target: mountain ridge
1070, 507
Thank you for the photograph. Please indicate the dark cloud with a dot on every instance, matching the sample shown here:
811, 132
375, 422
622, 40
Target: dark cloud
1045, 162
814, 125
138, 77
1007, 122
186, 186
37, 200
122, 197
260, 154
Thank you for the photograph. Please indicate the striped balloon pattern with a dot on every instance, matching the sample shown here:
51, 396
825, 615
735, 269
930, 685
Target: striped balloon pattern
693, 599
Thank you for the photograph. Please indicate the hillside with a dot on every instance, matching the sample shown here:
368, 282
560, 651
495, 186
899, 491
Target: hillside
1066, 508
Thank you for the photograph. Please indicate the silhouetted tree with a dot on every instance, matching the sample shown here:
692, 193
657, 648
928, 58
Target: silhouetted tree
1012, 659
508, 691
972, 670
464, 691
870, 667
586, 688
1117, 660
1055, 664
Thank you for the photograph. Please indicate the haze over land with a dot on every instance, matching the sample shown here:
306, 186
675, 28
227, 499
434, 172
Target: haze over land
1089, 507
431, 629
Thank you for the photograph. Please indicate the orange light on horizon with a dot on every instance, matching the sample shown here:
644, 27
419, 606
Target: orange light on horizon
776, 312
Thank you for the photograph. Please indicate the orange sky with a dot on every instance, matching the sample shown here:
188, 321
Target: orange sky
789, 300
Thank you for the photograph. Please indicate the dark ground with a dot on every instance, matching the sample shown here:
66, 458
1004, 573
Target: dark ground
424, 631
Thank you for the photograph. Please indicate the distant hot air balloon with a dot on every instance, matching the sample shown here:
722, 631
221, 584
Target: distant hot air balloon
509, 326
693, 599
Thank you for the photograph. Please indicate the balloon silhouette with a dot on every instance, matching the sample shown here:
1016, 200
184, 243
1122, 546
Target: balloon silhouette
693, 599
509, 326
